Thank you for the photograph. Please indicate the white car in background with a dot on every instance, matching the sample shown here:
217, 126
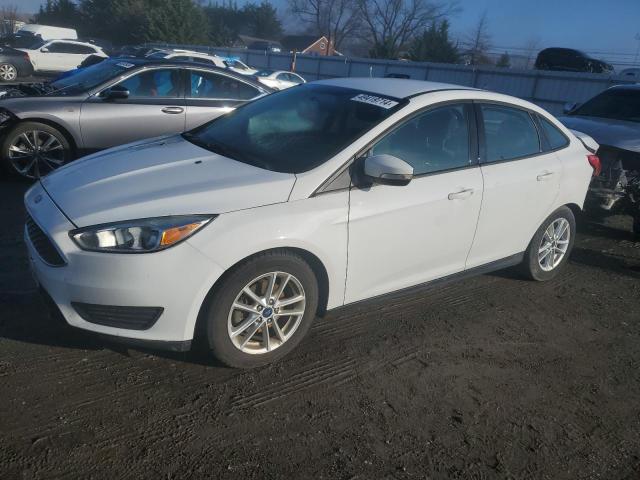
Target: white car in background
241, 229
238, 66
279, 79
61, 55
189, 56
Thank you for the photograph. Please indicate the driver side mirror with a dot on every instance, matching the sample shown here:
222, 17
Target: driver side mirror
117, 92
388, 170
44, 50
569, 107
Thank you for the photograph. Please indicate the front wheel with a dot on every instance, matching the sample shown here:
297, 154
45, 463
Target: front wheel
551, 246
262, 310
33, 149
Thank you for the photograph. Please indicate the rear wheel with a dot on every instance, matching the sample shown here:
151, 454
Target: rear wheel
33, 149
8, 72
551, 246
262, 310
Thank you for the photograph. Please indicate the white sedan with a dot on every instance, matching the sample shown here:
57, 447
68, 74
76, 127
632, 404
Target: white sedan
61, 55
300, 202
279, 79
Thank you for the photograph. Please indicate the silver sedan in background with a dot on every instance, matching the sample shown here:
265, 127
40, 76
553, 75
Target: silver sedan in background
44, 126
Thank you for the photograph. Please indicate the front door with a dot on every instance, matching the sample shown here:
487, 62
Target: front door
400, 236
155, 107
521, 184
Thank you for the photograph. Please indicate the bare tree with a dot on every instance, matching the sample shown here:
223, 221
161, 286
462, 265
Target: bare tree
391, 24
531, 48
478, 42
335, 19
9, 18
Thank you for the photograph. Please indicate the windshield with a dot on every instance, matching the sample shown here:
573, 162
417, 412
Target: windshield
294, 130
618, 104
90, 77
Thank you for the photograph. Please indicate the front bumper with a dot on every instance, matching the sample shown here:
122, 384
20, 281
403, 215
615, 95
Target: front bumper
176, 280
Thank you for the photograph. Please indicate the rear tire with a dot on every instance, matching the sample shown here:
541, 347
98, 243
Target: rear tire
551, 246
237, 336
8, 72
32, 149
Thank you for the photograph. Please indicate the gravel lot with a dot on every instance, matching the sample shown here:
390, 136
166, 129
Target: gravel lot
493, 377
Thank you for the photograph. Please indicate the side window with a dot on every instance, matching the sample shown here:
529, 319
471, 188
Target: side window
214, 86
554, 136
284, 77
56, 47
433, 141
154, 83
82, 49
295, 78
509, 133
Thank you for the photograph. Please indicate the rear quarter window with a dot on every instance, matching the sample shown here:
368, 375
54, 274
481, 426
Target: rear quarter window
555, 138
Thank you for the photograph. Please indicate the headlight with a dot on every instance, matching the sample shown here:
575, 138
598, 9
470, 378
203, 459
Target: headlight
139, 236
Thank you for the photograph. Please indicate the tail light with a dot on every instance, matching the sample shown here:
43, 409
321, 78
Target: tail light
595, 163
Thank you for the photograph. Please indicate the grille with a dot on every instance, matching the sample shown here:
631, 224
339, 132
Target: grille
45, 248
131, 318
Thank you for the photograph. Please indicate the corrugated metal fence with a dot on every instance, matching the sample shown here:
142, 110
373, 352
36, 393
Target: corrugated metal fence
550, 90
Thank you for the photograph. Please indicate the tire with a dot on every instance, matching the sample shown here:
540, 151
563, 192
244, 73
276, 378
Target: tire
23, 137
8, 72
544, 269
222, 318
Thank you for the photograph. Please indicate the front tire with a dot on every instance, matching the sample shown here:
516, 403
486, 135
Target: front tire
8, 72
262, 309
33, 149
551, 246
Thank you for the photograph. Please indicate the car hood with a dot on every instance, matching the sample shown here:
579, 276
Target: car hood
607, 131
160, 177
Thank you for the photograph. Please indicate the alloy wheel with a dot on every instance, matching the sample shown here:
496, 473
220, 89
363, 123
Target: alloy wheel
8, 72
554, 244
266, 313
35, 153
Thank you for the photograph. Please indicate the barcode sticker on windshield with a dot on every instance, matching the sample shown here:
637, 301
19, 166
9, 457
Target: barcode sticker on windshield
125, 64
373, 100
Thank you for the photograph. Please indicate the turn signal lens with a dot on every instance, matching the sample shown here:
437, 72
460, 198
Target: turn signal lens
173, 235
594, 161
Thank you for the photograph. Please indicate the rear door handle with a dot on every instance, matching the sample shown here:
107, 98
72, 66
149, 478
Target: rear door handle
172, 110
545, 176
465, 193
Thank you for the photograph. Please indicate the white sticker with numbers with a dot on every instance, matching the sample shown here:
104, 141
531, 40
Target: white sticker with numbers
373, 100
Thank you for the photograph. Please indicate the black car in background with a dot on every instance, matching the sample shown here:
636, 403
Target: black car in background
13, 64
612, 118
570, 60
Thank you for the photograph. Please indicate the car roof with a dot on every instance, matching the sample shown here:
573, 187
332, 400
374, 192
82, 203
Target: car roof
631, 86
392, 87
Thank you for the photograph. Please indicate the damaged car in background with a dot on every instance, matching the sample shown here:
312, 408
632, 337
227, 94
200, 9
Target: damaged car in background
612, 118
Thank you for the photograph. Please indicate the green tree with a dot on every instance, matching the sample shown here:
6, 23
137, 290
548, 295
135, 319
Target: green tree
261, 20
434, 45
59, 13
176, 21
504, 61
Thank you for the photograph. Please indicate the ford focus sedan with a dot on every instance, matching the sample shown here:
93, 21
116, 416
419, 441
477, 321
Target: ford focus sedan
328, 194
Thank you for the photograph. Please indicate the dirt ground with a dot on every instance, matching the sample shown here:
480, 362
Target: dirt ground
493, 377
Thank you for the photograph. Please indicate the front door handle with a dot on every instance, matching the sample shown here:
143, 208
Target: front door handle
172, 110
462, 194
545, 176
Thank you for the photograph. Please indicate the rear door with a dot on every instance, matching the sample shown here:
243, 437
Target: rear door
63, 56
211, 94
155, 107
521, 182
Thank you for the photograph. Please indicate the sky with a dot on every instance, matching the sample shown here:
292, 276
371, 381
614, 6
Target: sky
590, 25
